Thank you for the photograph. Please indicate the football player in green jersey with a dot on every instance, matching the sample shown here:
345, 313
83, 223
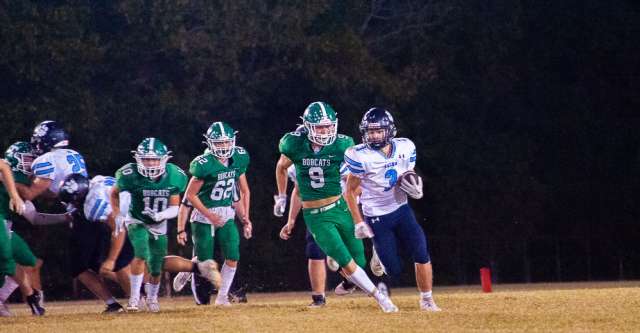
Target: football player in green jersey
155, 188
12, 248
216, 174
317, 157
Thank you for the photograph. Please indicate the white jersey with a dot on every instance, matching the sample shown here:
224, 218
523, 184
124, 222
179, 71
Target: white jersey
58, 164
344, 172
97, 204
379, 175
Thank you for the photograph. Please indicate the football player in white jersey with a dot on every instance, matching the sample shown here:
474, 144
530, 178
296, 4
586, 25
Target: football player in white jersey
375, 167
98, 245
54, 162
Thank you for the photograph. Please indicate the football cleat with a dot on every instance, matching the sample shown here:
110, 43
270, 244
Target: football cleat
113, 308
201, 289
34, 304
135, 305
345, 288
387, 305
4, 311
318, 301
153, 305
238, 296
222, 300
181, 280
384, 289
427, 304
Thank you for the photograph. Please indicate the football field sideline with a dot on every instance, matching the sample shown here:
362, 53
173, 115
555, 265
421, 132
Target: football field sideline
558, 307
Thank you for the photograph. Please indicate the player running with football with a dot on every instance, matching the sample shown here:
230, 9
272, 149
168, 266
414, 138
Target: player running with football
375, 166
155, 187
317, 157
216, 174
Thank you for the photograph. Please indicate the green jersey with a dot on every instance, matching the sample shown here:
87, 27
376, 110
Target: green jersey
146, 193
317, 173
219, 180
19, 178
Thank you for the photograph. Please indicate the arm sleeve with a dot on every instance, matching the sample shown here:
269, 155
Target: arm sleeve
353, 163
44, 167
413, 155
285, 146
197, 167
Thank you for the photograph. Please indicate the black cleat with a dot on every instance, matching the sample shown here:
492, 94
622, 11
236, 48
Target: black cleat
34, 304
238, 296
201, 289
318, 301
113, 308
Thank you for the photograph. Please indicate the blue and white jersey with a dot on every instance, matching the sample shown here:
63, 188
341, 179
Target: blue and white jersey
344, 172
58, 164
379, 174
97, 204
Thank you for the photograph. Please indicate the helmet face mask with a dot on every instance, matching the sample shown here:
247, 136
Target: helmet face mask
321, 123
48, 135
151, 158
377, 128
20, 157
221, 140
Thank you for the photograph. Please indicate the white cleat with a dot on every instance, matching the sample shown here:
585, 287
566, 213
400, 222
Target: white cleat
222, 301
376, 265
153, 305
427, 304
136, 305
181, 280
342, 291
332, 264
4, 311
383, 288
209, 270
387, 305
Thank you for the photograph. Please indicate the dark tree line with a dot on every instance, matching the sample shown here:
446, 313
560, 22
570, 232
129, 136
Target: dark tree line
524, 113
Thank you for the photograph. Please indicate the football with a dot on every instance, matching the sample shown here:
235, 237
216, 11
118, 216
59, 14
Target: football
411, 184
410, 176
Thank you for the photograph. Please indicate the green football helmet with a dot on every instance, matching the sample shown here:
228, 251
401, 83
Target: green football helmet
151, 158
321, 123
221, 139
20, 156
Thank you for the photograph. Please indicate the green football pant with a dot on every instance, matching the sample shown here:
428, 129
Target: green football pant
227, 237
21, 252
7, 262
333, 230
148, 247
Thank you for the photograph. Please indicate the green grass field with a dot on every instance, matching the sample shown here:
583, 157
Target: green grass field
566, 307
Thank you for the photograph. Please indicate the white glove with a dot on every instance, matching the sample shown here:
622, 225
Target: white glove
412, 189
280, 204
363, 230
166, 214
120, 225
151, 214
